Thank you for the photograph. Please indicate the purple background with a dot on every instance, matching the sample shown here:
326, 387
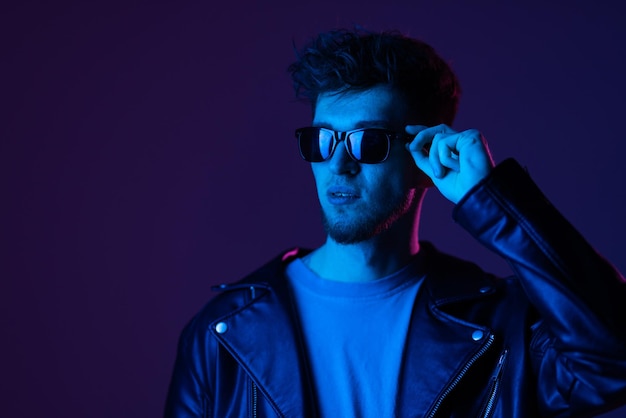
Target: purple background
146, 153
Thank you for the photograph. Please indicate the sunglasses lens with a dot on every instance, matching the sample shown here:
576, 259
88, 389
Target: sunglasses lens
315, 144
369, 146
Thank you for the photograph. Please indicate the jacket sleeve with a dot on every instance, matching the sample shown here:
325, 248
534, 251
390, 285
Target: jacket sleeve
579, 344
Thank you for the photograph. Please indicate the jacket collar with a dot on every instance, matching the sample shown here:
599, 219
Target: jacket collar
269, 320
449, 279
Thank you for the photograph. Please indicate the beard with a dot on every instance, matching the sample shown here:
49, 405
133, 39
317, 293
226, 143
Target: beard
366, 224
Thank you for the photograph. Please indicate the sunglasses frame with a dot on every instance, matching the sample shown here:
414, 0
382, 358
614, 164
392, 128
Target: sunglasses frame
338, 137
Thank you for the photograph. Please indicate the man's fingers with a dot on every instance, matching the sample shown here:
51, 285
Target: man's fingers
433, 149
455, 161
448, 155
434, 156
424, 134
443, 155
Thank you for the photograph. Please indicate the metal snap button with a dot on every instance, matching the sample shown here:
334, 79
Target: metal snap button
477, 335
221, 327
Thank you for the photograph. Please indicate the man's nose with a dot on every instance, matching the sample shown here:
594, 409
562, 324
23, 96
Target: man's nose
341, 162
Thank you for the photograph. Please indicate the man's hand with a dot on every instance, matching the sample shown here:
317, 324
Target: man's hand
455, 161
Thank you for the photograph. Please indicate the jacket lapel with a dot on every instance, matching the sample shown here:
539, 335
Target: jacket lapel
439, 346
264, 338
435, 354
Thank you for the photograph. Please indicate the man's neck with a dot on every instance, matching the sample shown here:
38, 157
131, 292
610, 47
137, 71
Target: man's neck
368, 260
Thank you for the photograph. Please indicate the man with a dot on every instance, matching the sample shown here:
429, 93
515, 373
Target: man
375, 323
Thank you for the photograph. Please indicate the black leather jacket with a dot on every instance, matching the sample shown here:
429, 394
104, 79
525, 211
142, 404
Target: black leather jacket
549, 341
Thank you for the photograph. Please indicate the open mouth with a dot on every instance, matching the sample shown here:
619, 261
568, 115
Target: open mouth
342, 196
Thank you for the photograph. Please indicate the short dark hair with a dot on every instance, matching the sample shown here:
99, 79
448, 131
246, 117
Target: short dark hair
352, 60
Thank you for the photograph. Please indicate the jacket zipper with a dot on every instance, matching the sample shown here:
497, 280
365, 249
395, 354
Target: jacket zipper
494, 386
254, 400
459, 377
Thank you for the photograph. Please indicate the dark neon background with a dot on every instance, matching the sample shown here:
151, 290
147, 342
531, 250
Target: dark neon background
147, 152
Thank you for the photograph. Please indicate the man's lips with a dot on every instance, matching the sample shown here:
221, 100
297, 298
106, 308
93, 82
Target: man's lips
340, 195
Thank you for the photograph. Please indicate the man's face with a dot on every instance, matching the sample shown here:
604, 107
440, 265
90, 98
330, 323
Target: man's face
360, 201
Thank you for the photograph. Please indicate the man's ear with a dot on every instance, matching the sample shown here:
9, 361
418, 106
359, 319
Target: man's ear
420, 179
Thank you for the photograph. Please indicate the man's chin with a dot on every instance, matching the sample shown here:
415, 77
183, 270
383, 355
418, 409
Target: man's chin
345, 239
345, 233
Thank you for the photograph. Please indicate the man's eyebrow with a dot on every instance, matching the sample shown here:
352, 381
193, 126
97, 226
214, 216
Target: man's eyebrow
380, 123
377, 123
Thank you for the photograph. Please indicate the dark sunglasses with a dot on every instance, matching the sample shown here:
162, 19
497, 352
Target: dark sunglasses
369, 146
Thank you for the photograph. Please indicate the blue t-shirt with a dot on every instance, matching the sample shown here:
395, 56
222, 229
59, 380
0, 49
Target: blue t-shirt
355, 334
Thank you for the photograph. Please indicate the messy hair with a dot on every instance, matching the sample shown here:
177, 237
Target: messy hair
343, 60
